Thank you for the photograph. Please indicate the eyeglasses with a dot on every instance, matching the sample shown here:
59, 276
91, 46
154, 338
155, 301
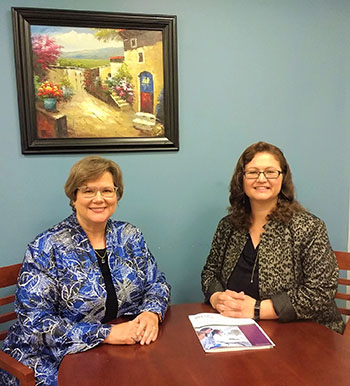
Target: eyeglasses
91, 191
268, 174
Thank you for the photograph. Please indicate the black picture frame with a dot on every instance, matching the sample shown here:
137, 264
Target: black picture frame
31, 142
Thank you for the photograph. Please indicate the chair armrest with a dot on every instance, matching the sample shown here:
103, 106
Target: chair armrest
23, 373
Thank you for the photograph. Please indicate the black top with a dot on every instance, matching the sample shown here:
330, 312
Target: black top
245, 277
111, 302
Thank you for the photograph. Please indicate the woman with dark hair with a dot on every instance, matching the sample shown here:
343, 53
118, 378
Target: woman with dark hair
82, 273
270, 258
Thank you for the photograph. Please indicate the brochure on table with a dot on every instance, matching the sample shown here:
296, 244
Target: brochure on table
220, 333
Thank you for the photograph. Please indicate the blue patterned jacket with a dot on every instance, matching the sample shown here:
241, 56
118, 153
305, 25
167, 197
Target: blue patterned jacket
61, 294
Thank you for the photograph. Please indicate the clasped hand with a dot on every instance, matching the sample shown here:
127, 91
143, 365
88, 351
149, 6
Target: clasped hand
233, 304
142, 329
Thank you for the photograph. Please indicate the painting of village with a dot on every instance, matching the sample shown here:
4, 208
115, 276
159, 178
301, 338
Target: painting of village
97, 83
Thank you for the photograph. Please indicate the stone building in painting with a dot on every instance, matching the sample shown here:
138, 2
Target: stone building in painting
143, 53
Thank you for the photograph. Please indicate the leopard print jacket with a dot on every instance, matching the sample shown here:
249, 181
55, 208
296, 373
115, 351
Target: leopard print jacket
297, 268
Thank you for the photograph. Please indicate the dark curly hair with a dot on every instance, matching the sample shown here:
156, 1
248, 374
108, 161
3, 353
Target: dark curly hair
240, 210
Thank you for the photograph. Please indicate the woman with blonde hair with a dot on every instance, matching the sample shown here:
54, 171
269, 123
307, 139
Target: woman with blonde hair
82, 273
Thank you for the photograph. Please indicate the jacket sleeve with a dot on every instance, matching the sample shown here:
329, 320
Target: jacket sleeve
156, 290
211, 272
37, 305
313, 298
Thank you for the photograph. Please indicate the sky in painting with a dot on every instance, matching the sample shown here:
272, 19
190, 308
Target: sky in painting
74, 38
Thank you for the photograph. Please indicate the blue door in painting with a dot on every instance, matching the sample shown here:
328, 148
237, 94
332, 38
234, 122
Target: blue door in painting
146, 87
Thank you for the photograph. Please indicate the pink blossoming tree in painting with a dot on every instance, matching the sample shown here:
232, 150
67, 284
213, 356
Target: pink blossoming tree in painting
45, 53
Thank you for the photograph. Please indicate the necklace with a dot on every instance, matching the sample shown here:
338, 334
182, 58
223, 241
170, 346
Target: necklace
102, 257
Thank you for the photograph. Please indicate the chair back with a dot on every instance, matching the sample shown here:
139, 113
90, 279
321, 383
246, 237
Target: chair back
343, 259
25, 375
8, 277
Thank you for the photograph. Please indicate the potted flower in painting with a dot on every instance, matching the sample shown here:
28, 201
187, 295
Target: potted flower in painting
50, 92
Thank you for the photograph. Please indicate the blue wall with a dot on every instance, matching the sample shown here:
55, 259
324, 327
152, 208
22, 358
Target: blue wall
249, 70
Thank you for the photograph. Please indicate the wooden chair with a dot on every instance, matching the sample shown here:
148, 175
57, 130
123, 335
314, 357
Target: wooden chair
343, 259
25, 375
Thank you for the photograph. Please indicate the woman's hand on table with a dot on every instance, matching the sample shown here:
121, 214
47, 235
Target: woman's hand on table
143, 329
123, 333
233, 304
148, 327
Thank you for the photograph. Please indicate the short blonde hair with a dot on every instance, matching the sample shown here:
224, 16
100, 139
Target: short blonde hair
91, 168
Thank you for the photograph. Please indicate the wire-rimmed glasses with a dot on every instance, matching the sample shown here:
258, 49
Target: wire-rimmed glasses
91, 191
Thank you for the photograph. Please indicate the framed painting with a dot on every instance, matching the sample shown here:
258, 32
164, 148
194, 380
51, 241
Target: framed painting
95, 81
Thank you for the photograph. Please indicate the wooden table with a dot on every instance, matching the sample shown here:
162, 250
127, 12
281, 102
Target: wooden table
306, 354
